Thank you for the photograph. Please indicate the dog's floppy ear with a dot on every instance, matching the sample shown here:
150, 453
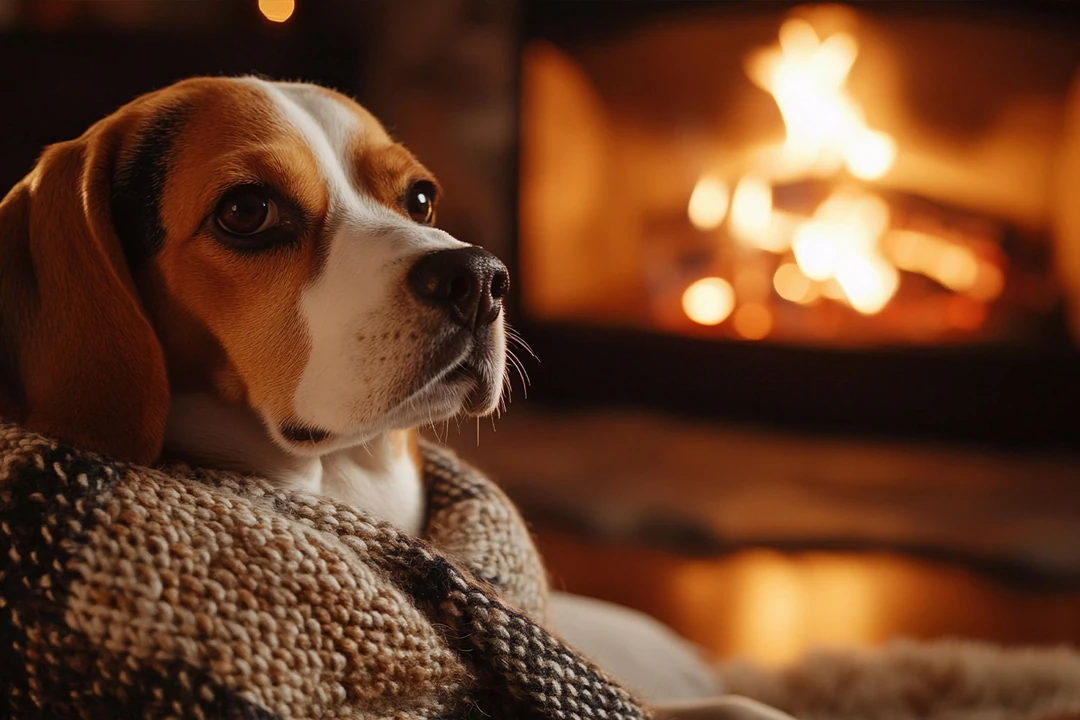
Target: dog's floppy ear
79, 360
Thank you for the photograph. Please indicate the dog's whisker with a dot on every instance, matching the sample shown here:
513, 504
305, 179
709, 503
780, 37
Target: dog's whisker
516, 364
506, 395
434, 428
520, 342
520, 367
514, 336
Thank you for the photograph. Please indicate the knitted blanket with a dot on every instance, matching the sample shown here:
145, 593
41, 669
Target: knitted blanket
178, 592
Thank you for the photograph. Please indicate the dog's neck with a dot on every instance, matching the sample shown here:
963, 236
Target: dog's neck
382, 476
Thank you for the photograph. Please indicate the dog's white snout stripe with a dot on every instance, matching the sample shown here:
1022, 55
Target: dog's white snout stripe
357, 293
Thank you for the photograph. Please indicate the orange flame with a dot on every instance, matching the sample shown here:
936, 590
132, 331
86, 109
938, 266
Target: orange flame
826, 127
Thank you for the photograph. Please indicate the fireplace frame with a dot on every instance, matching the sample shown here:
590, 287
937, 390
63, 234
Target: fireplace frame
1019, 399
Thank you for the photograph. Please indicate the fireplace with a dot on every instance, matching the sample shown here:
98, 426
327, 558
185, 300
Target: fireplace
839, 217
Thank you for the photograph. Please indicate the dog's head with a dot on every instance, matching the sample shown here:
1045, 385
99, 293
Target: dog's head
264, 242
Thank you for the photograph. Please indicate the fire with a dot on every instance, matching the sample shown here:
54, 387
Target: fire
841, 243
954, 266
277, 10
709, 301
708, 203
793, 285
868, 281
988, 283
752, 214
870, 155
826, 127
846, 251
751, 210
753, 321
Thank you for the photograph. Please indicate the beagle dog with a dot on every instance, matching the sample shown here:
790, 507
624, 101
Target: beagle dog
246, 274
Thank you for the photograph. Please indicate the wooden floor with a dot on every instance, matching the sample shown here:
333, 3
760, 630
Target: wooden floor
761, 544
771, 607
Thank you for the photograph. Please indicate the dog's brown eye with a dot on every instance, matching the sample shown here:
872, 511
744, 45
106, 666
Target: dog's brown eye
247, 211
420, 202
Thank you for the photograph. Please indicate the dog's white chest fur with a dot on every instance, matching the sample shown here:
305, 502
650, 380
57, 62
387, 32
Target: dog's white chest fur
380, 477
382, 480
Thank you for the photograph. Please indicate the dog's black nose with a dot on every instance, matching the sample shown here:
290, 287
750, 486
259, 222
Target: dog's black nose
469, 283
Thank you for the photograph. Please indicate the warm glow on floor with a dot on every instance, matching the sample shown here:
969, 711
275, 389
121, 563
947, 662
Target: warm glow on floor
770, 611
782, 606
709, 301
277, 10
771, 607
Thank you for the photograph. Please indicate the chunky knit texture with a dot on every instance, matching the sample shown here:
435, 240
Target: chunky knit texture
178, 592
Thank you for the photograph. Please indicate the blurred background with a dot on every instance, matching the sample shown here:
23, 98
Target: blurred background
801, 281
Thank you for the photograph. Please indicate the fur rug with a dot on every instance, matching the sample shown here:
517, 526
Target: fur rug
946, 680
